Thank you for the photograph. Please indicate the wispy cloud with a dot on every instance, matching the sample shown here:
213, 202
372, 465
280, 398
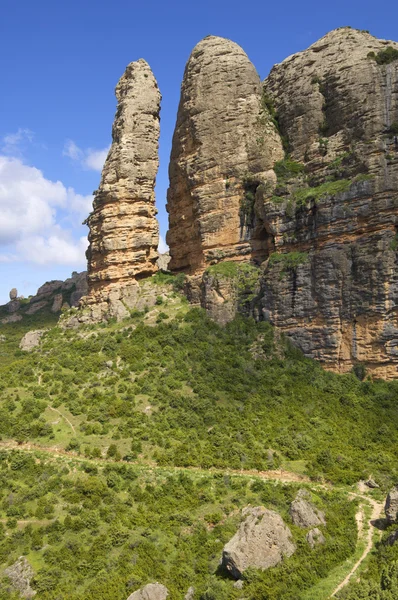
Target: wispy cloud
88, 158
14, 143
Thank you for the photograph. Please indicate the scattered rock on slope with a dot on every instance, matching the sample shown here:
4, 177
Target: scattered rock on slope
315, 537
20, 574
261, 541
152, 591
304, 513
31, 340
391, 506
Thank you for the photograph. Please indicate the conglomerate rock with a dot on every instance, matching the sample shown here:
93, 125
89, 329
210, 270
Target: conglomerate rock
124, 232
224, 142
261, 542
152, 591
335, 290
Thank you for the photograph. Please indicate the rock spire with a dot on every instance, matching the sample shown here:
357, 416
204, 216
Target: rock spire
123, 227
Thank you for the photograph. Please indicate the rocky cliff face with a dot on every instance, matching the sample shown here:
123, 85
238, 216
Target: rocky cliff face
333, 216
224, 143
123, 228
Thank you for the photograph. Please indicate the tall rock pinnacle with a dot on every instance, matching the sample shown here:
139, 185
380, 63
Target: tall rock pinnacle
124, 231
223, 137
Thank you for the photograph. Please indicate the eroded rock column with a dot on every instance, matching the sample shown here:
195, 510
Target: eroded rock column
224, 144
124, 231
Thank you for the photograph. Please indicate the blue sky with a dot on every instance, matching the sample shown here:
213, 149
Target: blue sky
59, 64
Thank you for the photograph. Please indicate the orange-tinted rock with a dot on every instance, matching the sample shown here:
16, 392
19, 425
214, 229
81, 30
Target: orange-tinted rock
223, 136
123, 227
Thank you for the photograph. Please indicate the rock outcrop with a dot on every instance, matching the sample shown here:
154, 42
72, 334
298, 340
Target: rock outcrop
13, 294
391, 506
52, 296
333, 216
304, 513
124, 232
20, 574
152, 591
261, 542
224, 143
31, 340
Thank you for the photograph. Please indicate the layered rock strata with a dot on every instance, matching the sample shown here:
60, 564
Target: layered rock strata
224, 143
333, 216
123, 227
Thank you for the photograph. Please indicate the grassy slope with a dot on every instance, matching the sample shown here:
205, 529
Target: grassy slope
171, 387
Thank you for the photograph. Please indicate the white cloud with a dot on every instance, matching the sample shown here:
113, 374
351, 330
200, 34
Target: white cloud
89, 158
163, 247
32, 211
71, 150
57, 249
13, 143
95, 159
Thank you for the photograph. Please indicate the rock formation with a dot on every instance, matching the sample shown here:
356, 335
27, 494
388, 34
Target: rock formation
123, 228
13, 294
261, 542
303, 512
333, 215
152, 591
391, 506
224, 143
20, 574
51, 296
31, 340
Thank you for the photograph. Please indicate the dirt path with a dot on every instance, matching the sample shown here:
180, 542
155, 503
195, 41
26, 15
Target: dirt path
277, 475
65, 418
377, 509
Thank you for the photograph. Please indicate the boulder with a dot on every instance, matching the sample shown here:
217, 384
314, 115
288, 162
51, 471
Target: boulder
190, 593
371, 484
20, 574
31, 340
262, 541
303, 513
315, 537
152, 591
391, 505
13, 294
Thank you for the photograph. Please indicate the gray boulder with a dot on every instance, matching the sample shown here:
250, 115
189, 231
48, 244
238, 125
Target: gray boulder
261, 541
391, 506
315, 537
20, 574
13, 294
152, 591
304, 513
190, 593
371, 484
31, 340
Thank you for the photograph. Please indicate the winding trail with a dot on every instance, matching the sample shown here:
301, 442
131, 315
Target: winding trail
377, 509
278, 475
63, 416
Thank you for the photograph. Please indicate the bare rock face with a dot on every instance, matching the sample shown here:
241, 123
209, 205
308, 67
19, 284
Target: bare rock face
303, 512
332, 287
391, 506
152, 591
224, 144
261, 542
123, 228
31, 340
20, 575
